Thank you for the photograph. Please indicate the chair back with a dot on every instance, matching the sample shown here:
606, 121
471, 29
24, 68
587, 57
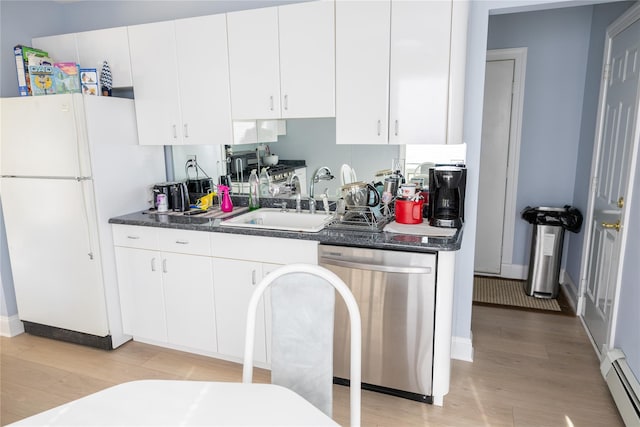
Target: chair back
302, 334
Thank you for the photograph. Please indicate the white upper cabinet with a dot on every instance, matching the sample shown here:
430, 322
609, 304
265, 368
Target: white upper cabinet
307, 59
362, 71
181, 82
111, 45
392, 71
282, 61
203, 71
419, 76
253, 63
90, 49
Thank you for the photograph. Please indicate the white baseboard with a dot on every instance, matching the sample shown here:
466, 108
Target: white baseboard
570, 290
514, 271
11, 326
462, 348
510, 271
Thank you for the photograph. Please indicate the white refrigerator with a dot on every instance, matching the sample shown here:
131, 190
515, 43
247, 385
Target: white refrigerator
68, 163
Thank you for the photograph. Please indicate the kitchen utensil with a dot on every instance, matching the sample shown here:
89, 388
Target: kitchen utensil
360, 194
409, 211
270, 160
407, 191
391, 185
177, 195
162, 203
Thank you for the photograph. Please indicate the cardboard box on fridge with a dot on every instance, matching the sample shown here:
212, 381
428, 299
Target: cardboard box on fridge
25, 56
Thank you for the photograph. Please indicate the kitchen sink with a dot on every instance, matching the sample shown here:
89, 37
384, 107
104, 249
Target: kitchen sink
277, 219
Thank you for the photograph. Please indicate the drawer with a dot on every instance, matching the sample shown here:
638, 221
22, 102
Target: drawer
273, 250
184, 241
132, 236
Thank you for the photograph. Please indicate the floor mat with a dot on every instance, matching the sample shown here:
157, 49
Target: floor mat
491, 290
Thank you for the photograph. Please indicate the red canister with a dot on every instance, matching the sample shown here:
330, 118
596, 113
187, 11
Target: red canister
408, 211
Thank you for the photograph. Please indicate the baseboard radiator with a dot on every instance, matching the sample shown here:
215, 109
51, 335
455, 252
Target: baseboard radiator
623, 385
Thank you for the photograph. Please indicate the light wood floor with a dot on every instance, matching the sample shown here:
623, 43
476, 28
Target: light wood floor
529, 369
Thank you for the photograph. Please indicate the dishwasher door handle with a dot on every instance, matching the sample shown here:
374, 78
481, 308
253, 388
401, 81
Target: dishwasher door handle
373, 267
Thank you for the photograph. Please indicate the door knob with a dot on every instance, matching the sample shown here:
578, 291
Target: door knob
615, 225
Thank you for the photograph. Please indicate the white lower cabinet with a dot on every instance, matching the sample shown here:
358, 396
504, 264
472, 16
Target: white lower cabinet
190, 290
166, 296
235, 282
141, 293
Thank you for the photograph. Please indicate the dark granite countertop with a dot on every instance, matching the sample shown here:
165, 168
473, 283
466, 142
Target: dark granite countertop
356, 238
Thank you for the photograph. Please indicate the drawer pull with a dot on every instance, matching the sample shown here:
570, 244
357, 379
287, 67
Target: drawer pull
182, 242
133, 237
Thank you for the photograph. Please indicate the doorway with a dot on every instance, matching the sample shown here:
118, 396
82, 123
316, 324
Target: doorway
499, 160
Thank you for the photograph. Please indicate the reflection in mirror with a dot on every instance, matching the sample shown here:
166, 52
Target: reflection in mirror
209, 158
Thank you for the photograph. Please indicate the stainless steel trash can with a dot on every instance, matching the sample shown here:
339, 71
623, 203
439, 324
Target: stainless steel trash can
543, 280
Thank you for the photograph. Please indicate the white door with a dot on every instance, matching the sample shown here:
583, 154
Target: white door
616, 135
496, 125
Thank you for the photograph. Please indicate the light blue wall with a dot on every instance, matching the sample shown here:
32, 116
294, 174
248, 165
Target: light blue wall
557, 43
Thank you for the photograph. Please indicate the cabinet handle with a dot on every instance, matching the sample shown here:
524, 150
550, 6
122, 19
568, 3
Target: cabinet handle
286, 102
182, 242
153, 264
396, 128
164, 265
253, 277
175, 132
133, 237
379, 127
186, 130
271, 102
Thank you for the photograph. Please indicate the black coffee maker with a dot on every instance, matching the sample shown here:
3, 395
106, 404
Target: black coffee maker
446, 196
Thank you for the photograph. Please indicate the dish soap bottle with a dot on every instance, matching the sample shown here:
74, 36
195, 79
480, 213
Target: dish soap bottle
254, 190
226, 205
265, 183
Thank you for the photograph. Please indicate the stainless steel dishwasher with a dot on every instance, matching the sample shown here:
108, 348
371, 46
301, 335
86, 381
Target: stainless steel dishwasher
395, 292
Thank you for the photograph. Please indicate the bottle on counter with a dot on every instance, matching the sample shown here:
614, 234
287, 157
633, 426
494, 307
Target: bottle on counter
265, 183
254, 190
226, 205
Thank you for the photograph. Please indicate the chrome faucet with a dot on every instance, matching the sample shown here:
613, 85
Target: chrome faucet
323, 173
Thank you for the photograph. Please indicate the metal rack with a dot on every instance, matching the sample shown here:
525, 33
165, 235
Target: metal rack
363, 218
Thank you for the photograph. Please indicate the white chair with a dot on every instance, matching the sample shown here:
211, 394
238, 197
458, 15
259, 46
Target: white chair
302, 334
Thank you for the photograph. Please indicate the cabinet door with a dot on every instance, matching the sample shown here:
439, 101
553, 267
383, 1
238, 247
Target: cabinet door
155, 81
111, 45
203, 78
419, 80
141, 293
307, 59
253, 63
61, 48
189, 300
234, 283
362, 71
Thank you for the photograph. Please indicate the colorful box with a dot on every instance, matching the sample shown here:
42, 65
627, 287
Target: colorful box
89, 81
67, 77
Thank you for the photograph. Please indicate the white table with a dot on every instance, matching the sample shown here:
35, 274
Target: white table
184, 403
